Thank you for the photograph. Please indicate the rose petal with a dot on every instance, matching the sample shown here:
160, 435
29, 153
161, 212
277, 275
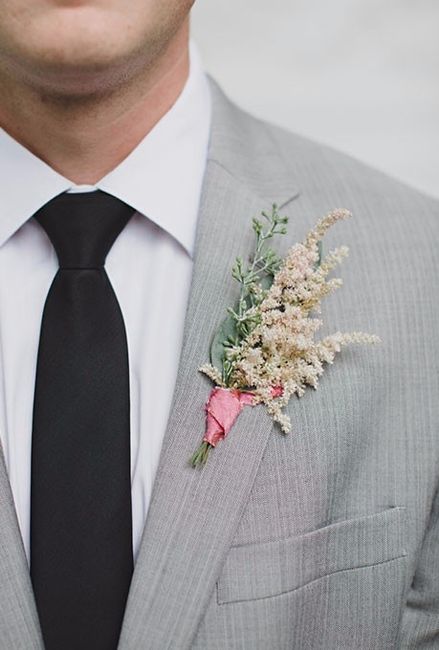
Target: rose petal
222, 409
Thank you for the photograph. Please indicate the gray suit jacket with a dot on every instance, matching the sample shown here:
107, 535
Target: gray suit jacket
327, 537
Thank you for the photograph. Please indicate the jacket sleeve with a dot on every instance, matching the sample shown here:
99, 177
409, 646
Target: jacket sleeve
420, 616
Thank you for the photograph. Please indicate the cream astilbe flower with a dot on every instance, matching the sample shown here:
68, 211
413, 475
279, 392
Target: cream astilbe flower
213, 373
266, 348
281, 353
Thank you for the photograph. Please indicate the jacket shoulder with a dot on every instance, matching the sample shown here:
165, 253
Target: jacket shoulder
257, 151
307, 161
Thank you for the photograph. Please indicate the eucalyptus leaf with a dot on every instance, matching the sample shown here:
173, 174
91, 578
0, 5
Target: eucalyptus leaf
266, 281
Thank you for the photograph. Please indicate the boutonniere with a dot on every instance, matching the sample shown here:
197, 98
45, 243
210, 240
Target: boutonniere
265, 351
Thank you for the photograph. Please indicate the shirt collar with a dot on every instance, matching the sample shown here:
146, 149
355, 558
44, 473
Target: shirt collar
161, 178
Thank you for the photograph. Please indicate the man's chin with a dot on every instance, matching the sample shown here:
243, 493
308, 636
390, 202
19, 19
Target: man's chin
89, 50
79, 49
90, 71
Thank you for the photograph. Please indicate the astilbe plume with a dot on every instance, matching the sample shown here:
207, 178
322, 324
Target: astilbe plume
266, 350
280, 356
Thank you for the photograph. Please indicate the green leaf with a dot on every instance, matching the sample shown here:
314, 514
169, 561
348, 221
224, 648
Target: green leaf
227, 331
266, 281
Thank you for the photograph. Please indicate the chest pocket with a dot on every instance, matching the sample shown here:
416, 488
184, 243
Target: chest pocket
253, 571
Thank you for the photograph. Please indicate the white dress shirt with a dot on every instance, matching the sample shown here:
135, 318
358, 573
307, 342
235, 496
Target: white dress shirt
149, 266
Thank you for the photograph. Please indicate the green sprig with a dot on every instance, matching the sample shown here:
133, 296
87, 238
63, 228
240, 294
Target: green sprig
255, 279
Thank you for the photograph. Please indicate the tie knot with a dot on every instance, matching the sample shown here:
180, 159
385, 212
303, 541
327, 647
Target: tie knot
83, 226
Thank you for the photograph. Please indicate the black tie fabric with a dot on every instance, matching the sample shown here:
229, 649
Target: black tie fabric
81, 522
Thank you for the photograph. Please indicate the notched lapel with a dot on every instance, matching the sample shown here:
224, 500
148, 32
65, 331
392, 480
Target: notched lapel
194, 513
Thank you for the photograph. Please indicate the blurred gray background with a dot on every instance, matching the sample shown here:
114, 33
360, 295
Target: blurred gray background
360, 75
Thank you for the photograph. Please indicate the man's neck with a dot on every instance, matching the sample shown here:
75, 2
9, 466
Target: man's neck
84, 138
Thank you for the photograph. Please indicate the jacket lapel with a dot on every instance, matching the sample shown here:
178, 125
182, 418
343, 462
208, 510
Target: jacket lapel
194, 513
18, 615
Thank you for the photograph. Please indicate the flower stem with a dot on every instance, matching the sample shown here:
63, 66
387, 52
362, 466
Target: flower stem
200, 456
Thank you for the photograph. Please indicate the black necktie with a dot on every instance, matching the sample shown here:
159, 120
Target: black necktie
81, 526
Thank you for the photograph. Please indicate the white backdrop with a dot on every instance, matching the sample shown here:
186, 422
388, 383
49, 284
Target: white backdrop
360, 75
